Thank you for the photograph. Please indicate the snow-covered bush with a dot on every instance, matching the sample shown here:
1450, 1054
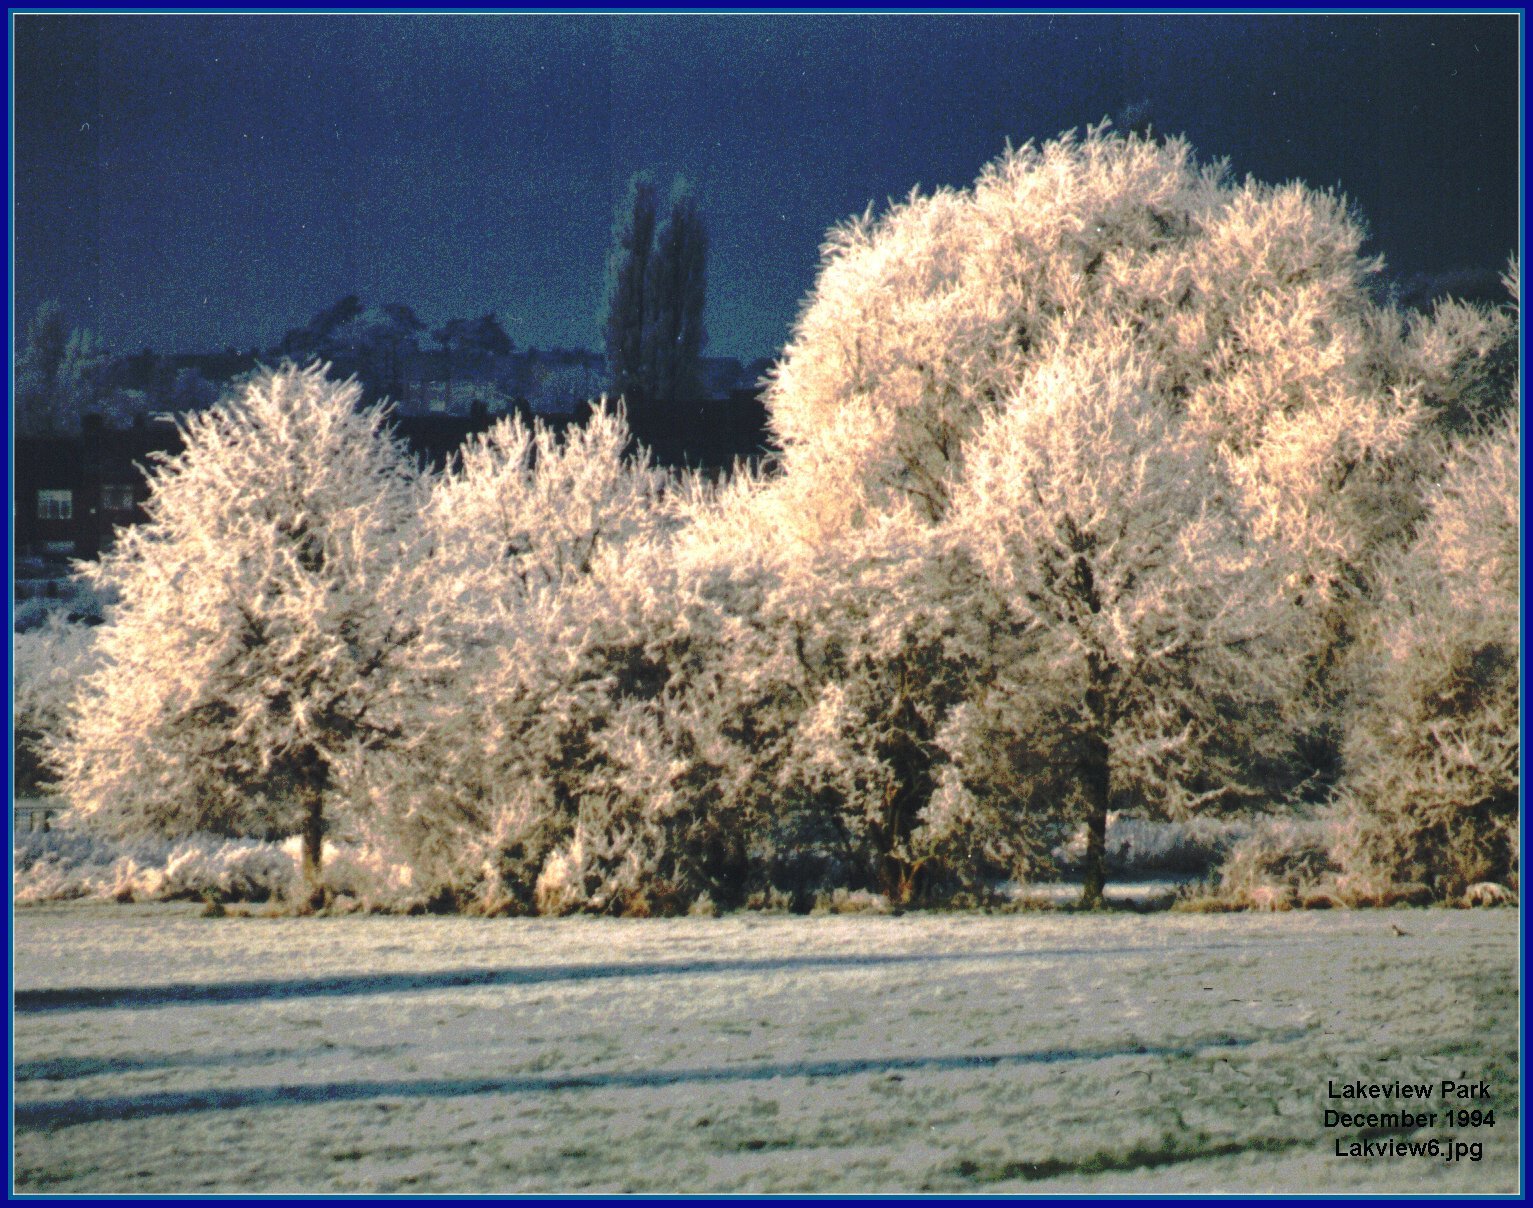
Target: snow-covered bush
1282, 862
76, 862
1432, 751
647, 782
271, 619
883, 633
528, 507
1464, 357
573, 762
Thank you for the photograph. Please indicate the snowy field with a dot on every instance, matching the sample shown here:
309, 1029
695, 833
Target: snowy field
158, 1051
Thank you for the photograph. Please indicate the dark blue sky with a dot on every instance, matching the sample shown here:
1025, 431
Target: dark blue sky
193, 182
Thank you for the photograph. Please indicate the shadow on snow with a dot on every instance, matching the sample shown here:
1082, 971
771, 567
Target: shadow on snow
64, 1069
65, 1112
87, 998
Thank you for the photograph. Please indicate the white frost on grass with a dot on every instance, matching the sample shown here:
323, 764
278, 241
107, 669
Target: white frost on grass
944, 1053
66, 863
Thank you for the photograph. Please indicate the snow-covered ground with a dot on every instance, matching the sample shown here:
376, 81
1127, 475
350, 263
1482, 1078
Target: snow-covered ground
158, 1051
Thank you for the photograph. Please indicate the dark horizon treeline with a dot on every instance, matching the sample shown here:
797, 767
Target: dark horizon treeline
63, 373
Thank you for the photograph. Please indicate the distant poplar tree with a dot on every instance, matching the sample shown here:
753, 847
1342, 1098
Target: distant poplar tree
633, 242
677, 286
655, 333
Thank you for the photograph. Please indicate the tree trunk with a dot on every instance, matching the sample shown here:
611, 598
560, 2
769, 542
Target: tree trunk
1096, 785
313, 781
898, 879
313, 841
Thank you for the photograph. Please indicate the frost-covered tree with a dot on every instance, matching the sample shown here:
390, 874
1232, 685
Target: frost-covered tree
541, 563
1153, 629
616, 738
48, 662
1250, 302
1249, 307
272, 619
648, 787
1432, 735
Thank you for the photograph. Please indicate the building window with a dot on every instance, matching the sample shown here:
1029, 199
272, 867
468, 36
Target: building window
117, 496
55, 505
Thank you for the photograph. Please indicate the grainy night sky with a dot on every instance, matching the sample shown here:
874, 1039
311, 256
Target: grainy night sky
195, 182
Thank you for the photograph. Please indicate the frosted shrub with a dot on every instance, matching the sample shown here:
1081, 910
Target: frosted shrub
62, 863
1283, 862
1433, 747
367, 876
1464, 357
891, 629
578, 735
528, 507
230, 872
73, 863
272, 620
654, 817
67, 863
1143, 847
